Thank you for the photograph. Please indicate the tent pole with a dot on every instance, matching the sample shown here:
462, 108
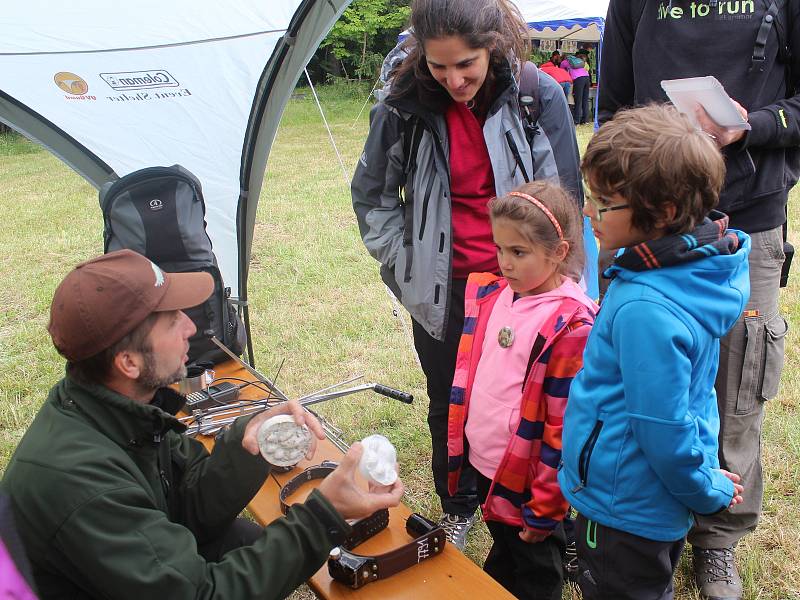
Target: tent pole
243, 304
246, 317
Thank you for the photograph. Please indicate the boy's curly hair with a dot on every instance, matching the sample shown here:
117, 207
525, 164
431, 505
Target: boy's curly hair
653, 155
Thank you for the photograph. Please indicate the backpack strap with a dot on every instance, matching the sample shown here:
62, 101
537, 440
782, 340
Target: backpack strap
529, 111
529, 106
774, 17
769, 20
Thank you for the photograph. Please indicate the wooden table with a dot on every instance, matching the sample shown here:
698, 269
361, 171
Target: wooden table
449, 575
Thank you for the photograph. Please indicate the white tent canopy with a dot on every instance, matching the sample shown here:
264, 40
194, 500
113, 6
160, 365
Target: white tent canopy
112, 87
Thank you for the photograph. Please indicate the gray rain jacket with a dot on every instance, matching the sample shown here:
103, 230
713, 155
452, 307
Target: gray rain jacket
418, 269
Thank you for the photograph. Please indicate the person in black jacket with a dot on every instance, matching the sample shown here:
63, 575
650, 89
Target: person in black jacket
647, 41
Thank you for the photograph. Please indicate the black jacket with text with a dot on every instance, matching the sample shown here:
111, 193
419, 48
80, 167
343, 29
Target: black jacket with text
647, 41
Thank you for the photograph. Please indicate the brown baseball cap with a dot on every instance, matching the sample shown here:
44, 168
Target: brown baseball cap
103, 299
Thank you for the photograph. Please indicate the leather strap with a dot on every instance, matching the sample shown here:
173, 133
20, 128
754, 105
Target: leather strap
320, 471
362, 530
356, 571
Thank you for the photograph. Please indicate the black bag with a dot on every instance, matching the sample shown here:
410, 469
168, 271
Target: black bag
159, 212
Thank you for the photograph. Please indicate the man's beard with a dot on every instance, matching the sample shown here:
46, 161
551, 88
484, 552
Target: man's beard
149, 378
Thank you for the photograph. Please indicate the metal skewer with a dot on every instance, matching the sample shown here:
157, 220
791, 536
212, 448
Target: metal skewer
212, 420
330, 387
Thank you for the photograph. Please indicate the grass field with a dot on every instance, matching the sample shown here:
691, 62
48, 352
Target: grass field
318, 304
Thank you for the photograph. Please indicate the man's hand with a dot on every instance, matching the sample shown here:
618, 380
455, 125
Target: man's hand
301, 417
722, 136
737, 487
348, 498
532, 537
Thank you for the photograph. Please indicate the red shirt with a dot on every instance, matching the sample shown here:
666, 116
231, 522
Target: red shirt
471, 187
557, 73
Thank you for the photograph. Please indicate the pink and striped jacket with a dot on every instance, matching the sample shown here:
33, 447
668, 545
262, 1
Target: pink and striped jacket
525, 491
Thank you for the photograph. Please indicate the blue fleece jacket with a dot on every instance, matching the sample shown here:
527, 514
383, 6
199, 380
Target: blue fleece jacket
641, 425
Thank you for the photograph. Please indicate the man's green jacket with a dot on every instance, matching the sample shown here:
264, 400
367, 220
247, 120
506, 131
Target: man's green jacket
112, 501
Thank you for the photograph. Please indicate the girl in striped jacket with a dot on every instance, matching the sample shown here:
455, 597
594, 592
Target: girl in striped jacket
522, 344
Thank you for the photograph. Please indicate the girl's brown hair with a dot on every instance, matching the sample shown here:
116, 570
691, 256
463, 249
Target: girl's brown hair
535, 226
496, 25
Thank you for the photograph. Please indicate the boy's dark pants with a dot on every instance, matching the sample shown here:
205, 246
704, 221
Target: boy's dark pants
438, 360
616, 565
526, 570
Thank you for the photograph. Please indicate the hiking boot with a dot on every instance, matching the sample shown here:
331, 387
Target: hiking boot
457, 527
571, 562
715, 573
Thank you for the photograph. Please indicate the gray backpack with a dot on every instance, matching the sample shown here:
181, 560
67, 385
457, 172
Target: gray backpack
159, 212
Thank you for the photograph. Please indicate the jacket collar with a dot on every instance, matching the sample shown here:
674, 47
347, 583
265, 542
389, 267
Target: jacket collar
125, 421
709, 238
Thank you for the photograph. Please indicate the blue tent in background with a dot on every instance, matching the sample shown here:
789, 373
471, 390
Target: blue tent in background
577, 20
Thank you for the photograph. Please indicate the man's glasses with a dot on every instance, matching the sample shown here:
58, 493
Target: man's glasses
599, 207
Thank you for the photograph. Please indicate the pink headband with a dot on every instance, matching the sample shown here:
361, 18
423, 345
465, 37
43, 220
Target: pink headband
545, 210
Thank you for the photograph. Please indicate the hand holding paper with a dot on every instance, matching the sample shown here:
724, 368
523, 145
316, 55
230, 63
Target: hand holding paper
708, 106
721, 135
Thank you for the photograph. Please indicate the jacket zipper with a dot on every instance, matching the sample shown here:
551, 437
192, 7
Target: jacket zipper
586, 455
165, 483
425, 202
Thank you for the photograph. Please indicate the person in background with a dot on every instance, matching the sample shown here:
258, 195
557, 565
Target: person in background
555, 58
561, 76
641, 425
524, 332
755, 54
577, 67
422, 206
113, 501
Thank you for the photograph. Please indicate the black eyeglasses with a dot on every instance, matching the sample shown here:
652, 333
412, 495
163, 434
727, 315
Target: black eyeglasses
599, 207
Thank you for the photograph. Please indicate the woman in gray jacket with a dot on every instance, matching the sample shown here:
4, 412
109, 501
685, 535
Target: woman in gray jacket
445, 137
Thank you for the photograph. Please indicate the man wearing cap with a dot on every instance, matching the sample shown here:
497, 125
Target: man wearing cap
113, 502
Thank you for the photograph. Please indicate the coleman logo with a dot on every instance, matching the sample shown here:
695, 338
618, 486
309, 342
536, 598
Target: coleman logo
156, 204
71, 83
139, 80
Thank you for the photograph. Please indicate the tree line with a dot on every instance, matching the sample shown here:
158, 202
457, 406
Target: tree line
355, 47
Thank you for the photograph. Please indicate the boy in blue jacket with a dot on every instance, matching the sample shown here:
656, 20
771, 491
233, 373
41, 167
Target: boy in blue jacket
640, 430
